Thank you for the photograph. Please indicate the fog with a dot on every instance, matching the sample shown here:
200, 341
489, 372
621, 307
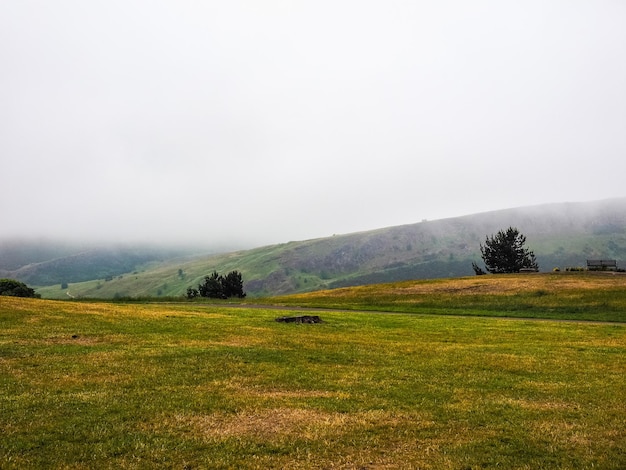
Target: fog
246, 122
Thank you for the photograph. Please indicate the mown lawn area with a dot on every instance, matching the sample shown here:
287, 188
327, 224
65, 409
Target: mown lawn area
193, 386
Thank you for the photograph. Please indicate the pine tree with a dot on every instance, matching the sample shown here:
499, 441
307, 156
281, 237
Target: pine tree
212, 286
216, 286
505, 253
232, 285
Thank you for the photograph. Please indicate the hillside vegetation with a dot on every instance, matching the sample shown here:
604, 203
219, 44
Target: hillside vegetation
193, 385
573, 296
47, 263
560, 235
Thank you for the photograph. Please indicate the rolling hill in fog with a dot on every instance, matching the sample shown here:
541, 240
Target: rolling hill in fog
561, 235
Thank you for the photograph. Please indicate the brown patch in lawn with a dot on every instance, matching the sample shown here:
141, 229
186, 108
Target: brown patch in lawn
540, 405
303, 394
565, 432
265, 424
241, 386
280, 423
374, 439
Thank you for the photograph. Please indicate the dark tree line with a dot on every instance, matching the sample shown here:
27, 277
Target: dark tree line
16, 288
216, 286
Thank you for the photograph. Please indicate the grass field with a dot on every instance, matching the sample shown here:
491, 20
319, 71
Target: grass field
191, 386
571, 296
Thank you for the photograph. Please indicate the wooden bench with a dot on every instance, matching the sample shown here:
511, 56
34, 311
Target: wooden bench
529, 270
602, 265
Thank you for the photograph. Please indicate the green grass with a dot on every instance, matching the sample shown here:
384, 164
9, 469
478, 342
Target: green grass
558, 296
102, 385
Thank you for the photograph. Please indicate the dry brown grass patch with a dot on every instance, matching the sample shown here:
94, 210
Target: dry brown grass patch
242, 386
564, 432
284, 422
540, 405
297, 394
510, 284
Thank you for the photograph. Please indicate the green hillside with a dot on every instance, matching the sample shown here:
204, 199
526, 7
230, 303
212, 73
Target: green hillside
42, 262
561, 235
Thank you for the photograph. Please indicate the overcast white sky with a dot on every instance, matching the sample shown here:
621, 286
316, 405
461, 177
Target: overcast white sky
269, 121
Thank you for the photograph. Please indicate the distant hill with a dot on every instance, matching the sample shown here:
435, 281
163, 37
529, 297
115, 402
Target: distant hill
561, 235
44, 262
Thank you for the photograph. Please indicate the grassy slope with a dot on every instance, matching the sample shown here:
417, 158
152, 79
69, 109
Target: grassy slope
573, 296
152, 279
96, 385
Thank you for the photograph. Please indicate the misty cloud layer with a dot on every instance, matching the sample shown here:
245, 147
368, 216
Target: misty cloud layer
254, 122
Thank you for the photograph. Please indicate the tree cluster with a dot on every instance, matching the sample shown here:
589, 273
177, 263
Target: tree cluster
16, 289
505, 253
216, 286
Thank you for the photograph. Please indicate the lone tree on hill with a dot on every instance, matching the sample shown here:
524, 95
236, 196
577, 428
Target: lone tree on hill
505, 253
